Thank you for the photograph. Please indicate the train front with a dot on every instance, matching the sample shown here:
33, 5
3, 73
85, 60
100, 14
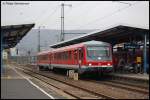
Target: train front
99, 58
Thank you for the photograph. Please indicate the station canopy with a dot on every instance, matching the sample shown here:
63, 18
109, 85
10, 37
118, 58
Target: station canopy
12, 34
114, 35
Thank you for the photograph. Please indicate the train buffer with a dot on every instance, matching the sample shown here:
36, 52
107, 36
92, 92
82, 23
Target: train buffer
73, 75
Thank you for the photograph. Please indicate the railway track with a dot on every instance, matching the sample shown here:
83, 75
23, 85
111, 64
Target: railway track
146, 86
107, 90
127, 86
74, 91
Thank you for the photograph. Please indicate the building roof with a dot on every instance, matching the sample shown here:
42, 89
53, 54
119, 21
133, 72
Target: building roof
113, 35
12, 34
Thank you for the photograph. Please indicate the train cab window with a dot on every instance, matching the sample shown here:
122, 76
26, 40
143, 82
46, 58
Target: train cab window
98, 53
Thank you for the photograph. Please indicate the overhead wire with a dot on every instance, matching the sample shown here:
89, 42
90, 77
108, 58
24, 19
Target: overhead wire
79, 5
68, 11
43, 12
48, 17
69, 19
104, 17
35, 18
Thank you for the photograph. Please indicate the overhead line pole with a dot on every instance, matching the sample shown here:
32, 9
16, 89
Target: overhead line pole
39, 40
39, 45
62, 21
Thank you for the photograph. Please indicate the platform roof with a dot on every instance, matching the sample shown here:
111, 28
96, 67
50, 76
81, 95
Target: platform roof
114, 35
12, 34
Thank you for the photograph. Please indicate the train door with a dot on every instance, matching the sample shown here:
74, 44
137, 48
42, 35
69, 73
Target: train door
49, 61
75, 57
80, 59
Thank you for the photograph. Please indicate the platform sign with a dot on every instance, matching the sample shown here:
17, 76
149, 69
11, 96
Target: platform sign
138, 59
5, 56
131, 46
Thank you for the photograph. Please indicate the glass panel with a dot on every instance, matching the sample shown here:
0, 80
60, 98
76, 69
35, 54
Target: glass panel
98, 53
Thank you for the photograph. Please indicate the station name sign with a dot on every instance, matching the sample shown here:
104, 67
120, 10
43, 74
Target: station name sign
131, 46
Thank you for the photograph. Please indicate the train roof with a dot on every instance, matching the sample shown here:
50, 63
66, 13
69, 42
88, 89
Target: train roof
93, 42
44, 52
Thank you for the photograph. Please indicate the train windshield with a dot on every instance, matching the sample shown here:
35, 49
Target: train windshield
98, 53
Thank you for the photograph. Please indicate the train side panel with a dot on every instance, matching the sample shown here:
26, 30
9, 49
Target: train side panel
75, 57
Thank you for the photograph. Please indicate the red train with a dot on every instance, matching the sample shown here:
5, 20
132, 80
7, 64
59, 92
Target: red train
83, 57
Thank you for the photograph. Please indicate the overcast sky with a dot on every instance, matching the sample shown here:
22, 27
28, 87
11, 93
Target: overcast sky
82, 14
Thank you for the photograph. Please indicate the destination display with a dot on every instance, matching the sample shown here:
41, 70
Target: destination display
131, 46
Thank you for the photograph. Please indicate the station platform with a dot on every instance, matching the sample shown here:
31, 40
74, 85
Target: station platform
142, 77
16, 86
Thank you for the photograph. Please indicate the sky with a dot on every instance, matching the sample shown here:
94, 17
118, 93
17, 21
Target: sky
80, 15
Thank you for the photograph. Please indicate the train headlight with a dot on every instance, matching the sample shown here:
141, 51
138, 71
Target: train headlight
108, 64
90, 64
99, 58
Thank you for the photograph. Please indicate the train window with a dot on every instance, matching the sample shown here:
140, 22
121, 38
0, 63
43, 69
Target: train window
38, 58
61, 55
98, 51
55, 56
65, 55
58, 56
75, 54
69, 55
43, 57
79, 50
